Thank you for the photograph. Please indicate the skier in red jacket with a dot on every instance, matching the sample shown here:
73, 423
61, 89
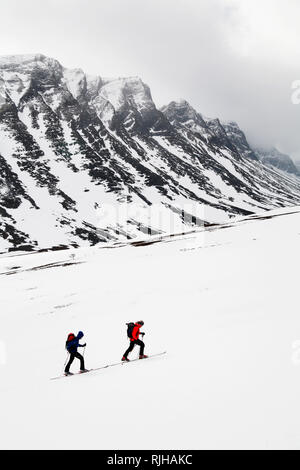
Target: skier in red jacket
135, 340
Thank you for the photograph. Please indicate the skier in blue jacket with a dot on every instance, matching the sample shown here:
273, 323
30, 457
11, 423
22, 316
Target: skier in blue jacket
71, 345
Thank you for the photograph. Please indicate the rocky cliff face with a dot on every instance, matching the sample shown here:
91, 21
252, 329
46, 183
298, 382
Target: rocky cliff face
297, 165
85, 159
277, 159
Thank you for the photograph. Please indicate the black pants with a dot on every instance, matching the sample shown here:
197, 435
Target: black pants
132, 344
72, 357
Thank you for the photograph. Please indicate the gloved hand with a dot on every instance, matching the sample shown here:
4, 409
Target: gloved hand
84, 345
143, 334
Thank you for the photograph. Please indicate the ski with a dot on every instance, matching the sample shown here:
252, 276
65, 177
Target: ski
134, 360
77, 373
108, 365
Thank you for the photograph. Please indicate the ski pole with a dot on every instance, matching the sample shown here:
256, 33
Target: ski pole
68, 355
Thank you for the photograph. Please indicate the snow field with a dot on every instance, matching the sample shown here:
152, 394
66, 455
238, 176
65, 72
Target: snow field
222, 302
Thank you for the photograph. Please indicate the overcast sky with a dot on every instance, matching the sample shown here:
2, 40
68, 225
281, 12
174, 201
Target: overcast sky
233, 59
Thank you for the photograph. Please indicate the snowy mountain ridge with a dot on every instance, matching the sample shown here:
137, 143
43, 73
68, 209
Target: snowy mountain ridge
86, 159
277, 159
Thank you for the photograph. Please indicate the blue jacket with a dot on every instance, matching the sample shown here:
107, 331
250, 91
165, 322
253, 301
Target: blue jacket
74, 344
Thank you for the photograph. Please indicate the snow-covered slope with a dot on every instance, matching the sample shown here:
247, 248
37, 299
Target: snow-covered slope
221, 301
85, 159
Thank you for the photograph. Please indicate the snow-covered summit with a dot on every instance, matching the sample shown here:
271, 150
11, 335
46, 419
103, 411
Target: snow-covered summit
19, 59
27, 61
180, 110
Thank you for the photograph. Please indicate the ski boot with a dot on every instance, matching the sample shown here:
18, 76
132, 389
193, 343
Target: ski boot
143, 356
68, 373
125, 359
82, 371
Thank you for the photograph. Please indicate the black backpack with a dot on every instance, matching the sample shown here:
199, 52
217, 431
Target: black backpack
130, 327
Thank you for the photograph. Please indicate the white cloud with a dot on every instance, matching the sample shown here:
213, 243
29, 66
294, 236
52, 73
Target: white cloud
266, 28
235, 59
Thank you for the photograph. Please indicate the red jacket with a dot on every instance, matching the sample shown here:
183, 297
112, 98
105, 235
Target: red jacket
136, 332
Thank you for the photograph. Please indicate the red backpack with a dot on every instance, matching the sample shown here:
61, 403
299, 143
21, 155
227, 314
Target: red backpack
70, 338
